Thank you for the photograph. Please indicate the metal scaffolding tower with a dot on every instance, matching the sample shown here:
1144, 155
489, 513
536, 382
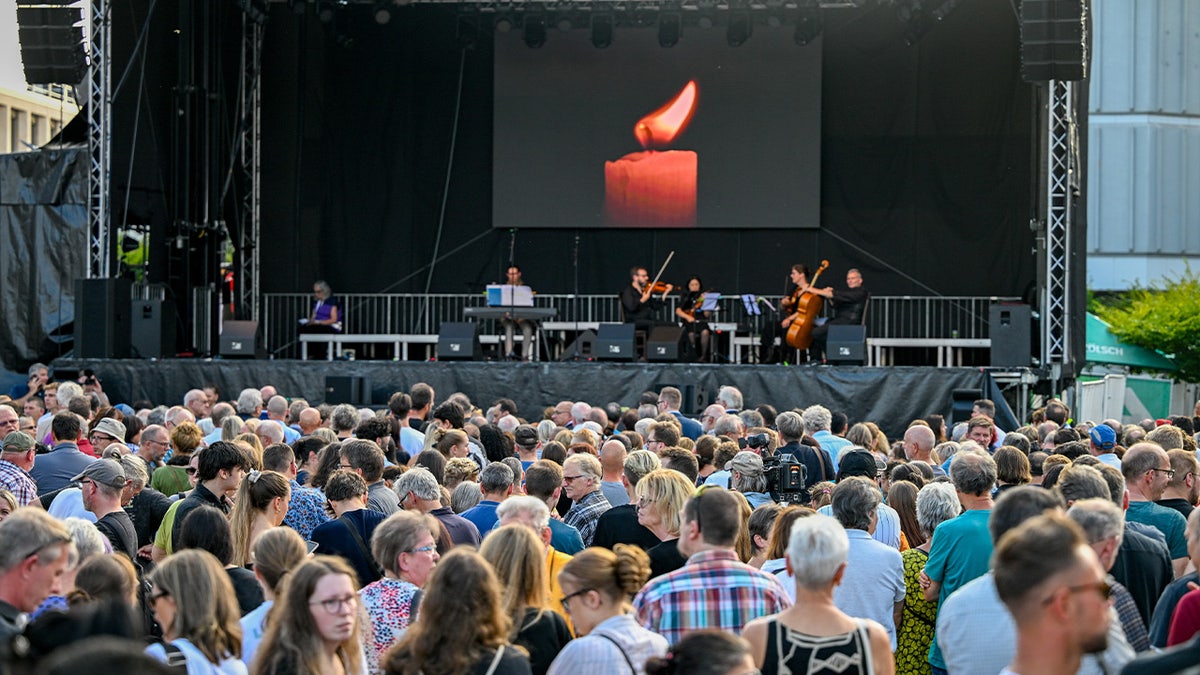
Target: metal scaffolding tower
99, 111
1062, 176
246, 258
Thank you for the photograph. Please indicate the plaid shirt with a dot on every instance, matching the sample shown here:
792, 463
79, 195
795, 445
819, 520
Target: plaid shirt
306, 511
585, 514
17, 481
1131, 618
714, 590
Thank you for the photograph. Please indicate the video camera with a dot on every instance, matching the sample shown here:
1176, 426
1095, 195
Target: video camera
786, 479
755, 442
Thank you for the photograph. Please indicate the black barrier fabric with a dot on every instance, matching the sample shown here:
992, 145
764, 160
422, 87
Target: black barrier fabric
43, 249
890, 397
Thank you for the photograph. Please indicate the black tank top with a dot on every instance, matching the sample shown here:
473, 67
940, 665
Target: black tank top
793, 653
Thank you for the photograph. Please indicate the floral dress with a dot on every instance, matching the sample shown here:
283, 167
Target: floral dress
916, 625
387, 603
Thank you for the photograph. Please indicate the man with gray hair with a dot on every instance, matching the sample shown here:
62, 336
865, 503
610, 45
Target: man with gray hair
269, 432
581, 483
619, 525
579, 413
496, 485
32, 563
343, 420
418, 490
1147, 470
220, 412
817, 421
1103, 524
249, 404
748, 478
729, 426
873, 584
730, 397
196, 401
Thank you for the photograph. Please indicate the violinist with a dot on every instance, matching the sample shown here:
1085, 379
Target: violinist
695, 322
777, 326
641, 299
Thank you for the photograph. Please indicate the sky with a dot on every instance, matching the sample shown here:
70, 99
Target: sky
11, 74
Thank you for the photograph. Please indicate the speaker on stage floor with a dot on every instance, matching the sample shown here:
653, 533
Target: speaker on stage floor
614, 342
153, 328
352, 389
102, 318
846, 345
238, 339
962, 403
663, 343
1010, 332
458, 340
583, 346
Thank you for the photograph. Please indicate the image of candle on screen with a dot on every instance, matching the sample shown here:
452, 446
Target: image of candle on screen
657, 186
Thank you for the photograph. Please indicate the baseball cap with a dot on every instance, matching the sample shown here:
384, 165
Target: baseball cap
18, 441
746, 462
857, 462
111, 427
1103, 436
525, 436
105, 472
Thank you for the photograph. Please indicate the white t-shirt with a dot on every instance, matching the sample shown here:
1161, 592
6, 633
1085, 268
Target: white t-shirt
197, 663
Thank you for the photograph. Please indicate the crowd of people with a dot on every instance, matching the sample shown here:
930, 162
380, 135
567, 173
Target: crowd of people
265, 535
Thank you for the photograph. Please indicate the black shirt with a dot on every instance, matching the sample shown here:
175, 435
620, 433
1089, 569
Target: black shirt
147, 511
816, 467
543, 633
635, 309
201, 496
117, 527
1181, 505
665, 558
334, 538
848, 305
245, 586
1143, 566
619, 525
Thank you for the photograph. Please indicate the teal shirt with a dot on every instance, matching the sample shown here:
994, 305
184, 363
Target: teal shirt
1168, 521
961, 551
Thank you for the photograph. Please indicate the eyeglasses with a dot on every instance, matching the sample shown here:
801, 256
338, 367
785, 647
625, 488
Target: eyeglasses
191, 471
85, 481
153, 597
100, 437
652, 440
345, 466
1170, 472
146, 441
1102, 587
568, 479
424, 549
566, 600
643, 503
334, 605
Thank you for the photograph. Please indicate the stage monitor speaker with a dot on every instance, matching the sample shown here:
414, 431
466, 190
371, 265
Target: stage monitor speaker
153, 328
352, 389
1010, 332
1053, 40
102, 318
614, 342
238, 339
846, 345
962, 404
663, 343
583, 346
458, 341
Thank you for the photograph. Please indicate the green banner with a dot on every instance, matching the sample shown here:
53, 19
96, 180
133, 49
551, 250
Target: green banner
1104, 347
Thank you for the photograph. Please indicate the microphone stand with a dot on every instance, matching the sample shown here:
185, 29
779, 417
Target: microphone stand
576, 356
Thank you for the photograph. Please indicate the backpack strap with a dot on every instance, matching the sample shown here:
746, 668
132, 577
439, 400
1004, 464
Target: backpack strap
620, 649
362, 545
176, 659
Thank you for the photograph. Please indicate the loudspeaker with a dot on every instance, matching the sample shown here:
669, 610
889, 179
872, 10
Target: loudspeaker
351, 389
1053, 40
614, 342
1010, 327
663, 343
237, 338
582, 346
962, 403
846, 344
457, 340
153, 328
102, 318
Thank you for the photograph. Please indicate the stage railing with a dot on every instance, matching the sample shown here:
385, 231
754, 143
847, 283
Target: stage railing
416, 314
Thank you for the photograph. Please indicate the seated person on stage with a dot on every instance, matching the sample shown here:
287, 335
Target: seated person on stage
776, 327
695, 322
527, 344
326, 317
638, 301
848, 304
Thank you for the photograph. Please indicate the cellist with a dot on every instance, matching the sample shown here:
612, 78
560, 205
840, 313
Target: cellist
768, 351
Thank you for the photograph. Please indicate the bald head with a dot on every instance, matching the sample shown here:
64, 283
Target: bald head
277, 407
310, 420
612, 458
918, 442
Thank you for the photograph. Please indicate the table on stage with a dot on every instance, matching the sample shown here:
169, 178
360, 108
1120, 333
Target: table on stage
535, 314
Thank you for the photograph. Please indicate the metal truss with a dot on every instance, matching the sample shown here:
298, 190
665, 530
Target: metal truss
99, 111
1061, 178
247, 259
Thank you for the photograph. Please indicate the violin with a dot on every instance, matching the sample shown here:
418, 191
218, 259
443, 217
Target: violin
690, 312
659, 287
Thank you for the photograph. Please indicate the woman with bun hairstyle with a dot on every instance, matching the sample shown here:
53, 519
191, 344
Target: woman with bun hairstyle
597, 585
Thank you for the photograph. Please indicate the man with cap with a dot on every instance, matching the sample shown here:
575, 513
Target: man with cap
1103, 440
747, 477
856, 461
527, 445
101, 485
17, 455
106, 432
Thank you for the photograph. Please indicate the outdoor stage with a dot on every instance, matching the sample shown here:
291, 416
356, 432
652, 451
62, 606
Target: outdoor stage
890, 397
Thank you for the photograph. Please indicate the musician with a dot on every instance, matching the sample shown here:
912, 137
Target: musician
639, 302
513, 278
326, 317
695, 322
777, 328
849, 305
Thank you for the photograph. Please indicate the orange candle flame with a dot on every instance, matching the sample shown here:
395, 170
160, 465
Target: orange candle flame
662, 126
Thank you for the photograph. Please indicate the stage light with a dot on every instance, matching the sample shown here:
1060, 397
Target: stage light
668, 29
808, 25
739, 29
535, 31
383, 12
602, 30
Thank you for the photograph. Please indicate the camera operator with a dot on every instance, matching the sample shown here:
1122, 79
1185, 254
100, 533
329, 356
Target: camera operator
749, 478
818, 465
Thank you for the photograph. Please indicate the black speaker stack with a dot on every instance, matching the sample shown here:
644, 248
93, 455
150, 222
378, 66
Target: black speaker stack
1054, 40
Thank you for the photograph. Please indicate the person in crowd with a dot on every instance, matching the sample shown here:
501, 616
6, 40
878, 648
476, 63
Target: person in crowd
260, 505
306, 506
935, 504
1147, 470
419, 491
516, 555
856, 461
366, 459
1185, 619
620, 524
759, 526
496, 483
661, 495
89, 543
276, 553
582, 476
33, 561
748, 478
463, 626
193, 602
705, 652
350, 532
220, 471
714, 589
902, 496
1012, 469
873, 578
670, 399
315, 628
1183, 491
814, 630
404, 545
105, 578
56, 469
597, 585
8, 503
544, 480
207, 529
18, 452
102, 485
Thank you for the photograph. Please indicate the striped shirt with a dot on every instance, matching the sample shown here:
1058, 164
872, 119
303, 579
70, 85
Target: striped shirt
714, 590
17, 481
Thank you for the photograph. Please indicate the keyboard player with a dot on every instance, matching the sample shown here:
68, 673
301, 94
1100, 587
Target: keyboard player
513, 278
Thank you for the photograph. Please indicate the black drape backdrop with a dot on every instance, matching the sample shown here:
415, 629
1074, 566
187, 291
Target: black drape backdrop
926, 167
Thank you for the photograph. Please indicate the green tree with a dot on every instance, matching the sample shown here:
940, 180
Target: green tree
1165, 317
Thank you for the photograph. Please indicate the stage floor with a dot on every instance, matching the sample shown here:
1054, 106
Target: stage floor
889, 396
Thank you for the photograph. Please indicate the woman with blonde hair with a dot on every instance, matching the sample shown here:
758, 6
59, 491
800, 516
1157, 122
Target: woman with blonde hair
193, 602
314, 630
261, 503
463, 627
661, 495
276, 553
255, 446
231, 427
518, 557
597, 585
459, 470
186, 437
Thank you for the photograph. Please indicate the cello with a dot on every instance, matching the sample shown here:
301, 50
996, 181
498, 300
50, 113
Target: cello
806, 307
